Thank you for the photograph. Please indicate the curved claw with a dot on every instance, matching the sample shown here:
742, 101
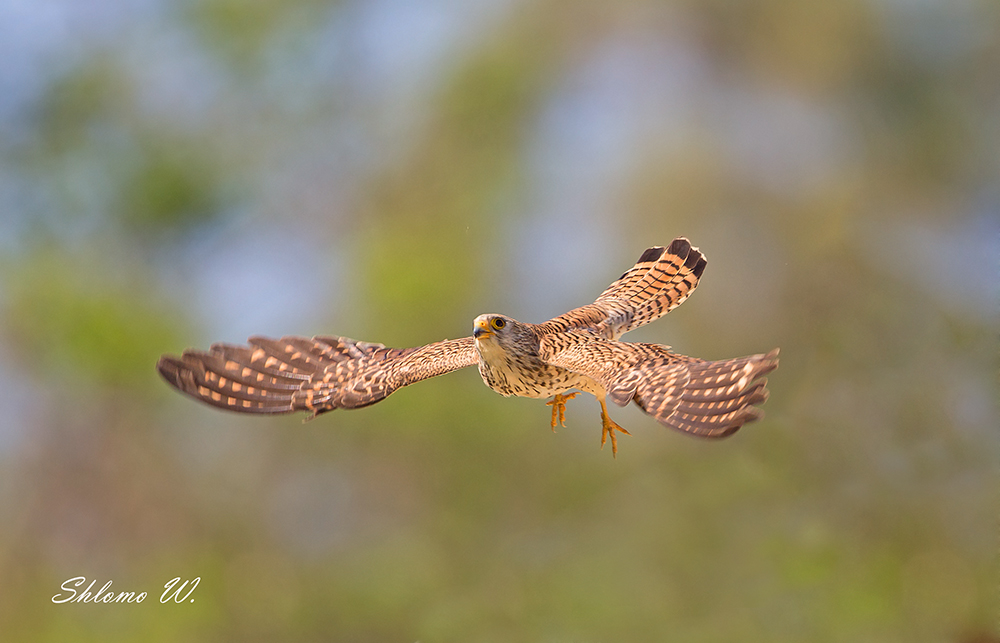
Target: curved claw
558, 404
608, 427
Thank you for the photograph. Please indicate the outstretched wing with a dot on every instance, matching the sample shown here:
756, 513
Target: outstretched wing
302, 374
660, 281
710, 399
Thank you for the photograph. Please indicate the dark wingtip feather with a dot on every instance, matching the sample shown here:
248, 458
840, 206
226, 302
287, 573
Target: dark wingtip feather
696, 262
169, 369
651, 254
700, 266
680, 247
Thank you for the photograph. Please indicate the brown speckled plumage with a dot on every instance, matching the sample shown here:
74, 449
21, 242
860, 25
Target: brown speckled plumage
578, 350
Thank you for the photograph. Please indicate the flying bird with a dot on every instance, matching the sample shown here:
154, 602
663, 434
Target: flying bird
578, 351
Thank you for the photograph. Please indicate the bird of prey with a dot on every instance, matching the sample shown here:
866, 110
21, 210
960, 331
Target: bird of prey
578, 351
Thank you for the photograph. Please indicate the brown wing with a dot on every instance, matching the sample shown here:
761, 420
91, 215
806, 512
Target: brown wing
302, 374
709, 399
660, 281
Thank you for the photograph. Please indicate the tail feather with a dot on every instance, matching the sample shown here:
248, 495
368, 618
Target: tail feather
630, 279
660, 281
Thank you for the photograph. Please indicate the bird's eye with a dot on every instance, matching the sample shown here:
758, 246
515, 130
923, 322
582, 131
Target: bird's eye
498, 323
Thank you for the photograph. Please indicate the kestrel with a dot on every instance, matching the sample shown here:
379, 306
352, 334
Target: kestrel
579, 350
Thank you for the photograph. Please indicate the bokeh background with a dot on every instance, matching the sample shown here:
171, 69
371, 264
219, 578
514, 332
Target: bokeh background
175, 173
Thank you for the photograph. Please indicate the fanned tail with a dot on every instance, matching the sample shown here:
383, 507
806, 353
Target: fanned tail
660, 281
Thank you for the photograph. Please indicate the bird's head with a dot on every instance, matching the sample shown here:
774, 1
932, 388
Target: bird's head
490, 327
498, 331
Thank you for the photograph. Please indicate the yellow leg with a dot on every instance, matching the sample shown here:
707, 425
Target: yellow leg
558, 404
608, 427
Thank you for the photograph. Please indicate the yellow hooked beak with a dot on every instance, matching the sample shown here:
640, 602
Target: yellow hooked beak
481, 329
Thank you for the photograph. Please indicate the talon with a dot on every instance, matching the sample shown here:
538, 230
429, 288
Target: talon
608, 427
558, 404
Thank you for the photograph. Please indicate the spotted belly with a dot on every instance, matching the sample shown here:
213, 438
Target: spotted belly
534, 378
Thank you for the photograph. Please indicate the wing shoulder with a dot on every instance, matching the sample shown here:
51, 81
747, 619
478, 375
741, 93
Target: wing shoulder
615, 365
708, 399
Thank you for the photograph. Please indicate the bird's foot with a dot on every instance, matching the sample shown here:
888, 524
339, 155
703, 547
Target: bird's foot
558, 404
608, 428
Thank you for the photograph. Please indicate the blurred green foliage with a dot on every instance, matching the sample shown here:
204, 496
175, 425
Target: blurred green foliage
240, 31
861, 509
101, 328
170, 187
